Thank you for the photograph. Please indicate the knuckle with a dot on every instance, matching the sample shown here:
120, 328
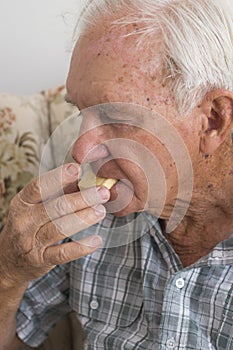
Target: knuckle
16, 213
87, 196
42, 236
86, 218
14, 203
31, 258
42, 214
92, 196
60, 206
60, 227
78, 250
34, 183
71, 169
48, 234
33, 186
30, 190
63, 254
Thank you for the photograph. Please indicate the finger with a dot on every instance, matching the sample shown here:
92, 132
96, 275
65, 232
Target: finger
51, 184
67, 226
67, 252
71, 203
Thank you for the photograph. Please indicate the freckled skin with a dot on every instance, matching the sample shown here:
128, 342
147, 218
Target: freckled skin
106, 68
128, 67
98, 82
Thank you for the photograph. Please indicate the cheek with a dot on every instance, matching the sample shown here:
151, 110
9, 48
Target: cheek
151, 170
135, 173
141, 155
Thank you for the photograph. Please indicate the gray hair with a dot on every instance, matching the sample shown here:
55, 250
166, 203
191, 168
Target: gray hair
197, 37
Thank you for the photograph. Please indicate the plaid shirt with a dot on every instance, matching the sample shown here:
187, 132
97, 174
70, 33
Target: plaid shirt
137, 296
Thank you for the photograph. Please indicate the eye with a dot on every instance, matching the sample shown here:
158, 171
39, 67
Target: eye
111, 114
105, 118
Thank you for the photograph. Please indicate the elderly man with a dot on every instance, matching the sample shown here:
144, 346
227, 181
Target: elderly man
154, 82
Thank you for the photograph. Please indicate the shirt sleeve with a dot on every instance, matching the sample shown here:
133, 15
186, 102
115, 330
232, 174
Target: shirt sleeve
45, 302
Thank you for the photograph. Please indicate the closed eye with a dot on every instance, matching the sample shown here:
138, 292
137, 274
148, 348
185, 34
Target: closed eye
109, 113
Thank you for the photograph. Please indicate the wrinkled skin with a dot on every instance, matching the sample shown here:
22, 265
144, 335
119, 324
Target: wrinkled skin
35, 225
106, 68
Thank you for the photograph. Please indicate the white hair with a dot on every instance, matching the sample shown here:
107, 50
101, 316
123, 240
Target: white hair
197, 37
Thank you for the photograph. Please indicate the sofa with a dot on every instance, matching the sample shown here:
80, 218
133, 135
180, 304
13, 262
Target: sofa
26, 124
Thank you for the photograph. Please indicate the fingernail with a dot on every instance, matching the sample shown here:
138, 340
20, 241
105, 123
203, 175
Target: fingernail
99, 210
72, 169
95, 241
103, 192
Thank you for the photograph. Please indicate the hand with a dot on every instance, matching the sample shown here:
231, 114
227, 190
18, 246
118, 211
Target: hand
45, 212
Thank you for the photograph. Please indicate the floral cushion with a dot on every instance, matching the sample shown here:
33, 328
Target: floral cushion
59, 109
26, 123
23, 133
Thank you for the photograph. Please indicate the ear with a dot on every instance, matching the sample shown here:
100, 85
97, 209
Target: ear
217, 119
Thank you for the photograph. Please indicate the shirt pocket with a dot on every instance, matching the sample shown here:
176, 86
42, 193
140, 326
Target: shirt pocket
224, 339
110, 296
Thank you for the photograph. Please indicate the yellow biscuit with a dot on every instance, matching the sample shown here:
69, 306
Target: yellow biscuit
91, 180
109, 183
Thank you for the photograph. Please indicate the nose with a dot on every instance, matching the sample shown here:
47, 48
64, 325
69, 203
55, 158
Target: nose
89, 146
86, 150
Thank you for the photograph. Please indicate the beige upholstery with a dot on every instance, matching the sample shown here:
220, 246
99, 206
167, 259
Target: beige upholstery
26, 123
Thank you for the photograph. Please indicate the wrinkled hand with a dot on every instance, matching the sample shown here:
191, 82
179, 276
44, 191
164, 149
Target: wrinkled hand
45, 212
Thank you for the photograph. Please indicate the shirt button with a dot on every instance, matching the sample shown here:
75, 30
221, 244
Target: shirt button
180, 283
171, 343
217, 255
94, 304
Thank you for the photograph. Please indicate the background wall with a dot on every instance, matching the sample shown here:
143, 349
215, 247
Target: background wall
35, 39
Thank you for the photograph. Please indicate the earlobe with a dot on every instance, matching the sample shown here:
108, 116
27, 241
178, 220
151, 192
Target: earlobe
217, 120
210, 141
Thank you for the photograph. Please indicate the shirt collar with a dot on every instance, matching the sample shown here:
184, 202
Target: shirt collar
222, 253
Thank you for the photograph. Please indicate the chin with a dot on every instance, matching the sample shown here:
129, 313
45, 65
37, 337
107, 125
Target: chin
124, 201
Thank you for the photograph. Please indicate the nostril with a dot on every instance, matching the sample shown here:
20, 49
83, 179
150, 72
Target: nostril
87, 154
95, 153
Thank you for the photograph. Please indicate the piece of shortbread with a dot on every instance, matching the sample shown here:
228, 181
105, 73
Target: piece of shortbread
91, 180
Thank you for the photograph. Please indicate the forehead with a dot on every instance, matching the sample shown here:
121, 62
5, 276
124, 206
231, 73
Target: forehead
108, 66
